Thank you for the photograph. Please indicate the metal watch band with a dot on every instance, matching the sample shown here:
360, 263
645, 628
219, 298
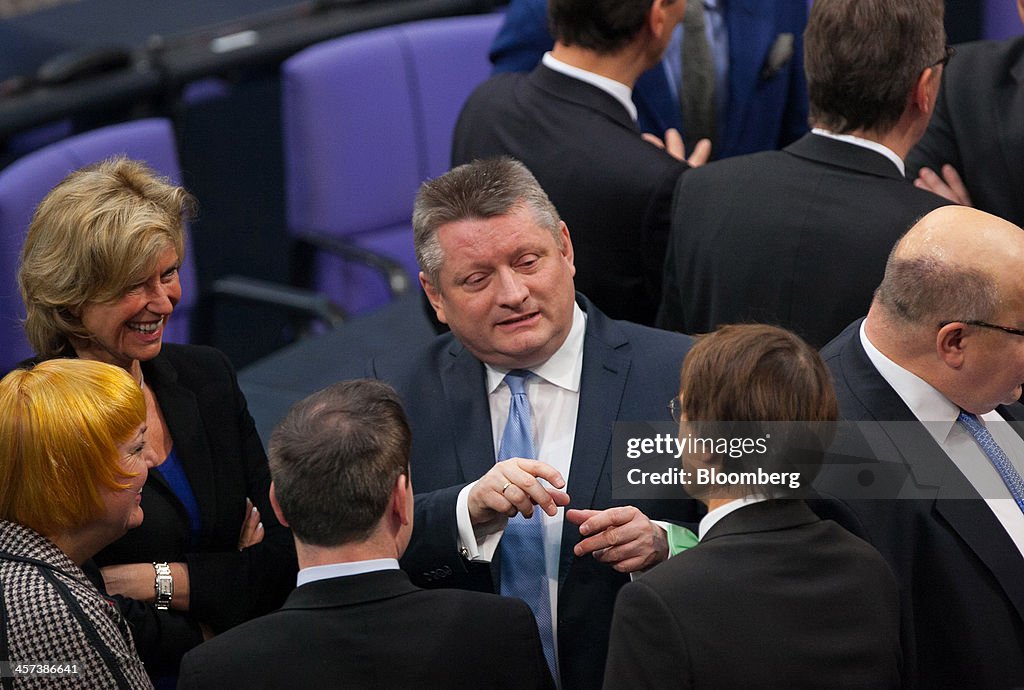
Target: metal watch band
163, 585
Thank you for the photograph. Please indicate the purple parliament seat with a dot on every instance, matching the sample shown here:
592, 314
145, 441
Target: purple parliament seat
366, 118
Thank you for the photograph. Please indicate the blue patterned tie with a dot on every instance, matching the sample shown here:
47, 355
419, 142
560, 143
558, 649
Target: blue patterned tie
995, 454
523, 574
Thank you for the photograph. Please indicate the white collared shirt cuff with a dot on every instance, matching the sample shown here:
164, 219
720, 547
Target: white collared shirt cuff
664, 528
476, 545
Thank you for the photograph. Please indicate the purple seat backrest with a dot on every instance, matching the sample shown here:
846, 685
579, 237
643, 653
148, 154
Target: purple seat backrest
366, 118
24, 183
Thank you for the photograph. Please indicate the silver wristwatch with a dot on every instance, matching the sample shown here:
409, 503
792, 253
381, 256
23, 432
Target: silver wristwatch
163, 585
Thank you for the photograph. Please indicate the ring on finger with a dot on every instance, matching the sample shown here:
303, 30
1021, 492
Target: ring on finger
506, 485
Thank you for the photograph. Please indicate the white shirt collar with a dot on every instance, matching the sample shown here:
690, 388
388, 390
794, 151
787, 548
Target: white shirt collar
564, 368
866, 143
326, 572
924, 400
714, 516
622, 93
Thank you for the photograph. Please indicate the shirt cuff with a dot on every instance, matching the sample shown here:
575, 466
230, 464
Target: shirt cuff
476, 544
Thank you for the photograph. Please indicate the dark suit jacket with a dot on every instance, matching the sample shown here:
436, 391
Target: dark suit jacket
629, 374
376, 630
797, 238
217, 445
961, 577
613, 189
764, 112
978, 127
772, 597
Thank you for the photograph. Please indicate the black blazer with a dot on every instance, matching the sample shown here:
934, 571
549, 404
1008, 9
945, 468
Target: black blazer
630, 372
612, 189
961, 576
978, 126
797, 238
216, 442
376, 630
772, 597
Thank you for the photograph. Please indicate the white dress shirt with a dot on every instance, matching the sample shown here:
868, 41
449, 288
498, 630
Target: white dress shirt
938, 415
714, 516
554, 395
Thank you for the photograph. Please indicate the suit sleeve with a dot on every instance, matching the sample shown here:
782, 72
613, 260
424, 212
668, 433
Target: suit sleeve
230, 586
670, 310
647, 648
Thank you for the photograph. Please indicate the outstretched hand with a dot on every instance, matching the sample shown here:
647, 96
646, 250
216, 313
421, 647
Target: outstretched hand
623, 537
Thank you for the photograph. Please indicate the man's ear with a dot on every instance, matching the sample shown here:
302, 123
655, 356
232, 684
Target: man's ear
657, 20
433, 296
950, 344
401, 499
926, 89
276, 506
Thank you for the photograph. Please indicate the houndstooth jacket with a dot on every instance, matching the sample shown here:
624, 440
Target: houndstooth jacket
51, 614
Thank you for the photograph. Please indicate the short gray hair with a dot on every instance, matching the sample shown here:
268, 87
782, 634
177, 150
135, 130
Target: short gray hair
927, 291
481, 189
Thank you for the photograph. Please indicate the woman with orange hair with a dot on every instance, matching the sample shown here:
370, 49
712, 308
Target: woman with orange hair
72, 468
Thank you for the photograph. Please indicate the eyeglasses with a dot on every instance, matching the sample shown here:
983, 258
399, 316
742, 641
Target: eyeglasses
944, 60
675, 406
983, 324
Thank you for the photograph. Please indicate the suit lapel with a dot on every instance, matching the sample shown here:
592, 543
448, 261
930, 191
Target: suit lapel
181, 413
603, 381
465, 394
1009, 104
750, 25
971, 519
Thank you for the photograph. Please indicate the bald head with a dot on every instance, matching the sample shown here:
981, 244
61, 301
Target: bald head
953, 285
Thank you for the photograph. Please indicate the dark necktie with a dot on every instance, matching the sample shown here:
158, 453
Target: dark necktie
698, 97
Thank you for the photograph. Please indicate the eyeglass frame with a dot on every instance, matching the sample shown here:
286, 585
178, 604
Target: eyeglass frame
950, 51
985, 324
675, 408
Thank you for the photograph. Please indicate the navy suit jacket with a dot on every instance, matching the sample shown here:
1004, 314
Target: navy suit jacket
764, 112
978, 126
961, 576
629, 373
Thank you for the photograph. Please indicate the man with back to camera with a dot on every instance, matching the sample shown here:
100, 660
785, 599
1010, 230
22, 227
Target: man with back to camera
973, 150
340, 467
939, 362
526, 387
799, 237
571, 121
754, 58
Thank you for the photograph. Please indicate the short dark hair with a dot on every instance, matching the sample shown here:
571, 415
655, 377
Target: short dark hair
334, 460
763, 374
482, 189
604, 26
863, 57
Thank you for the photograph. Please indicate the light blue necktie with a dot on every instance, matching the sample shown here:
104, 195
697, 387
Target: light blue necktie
523, 574
995, 454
